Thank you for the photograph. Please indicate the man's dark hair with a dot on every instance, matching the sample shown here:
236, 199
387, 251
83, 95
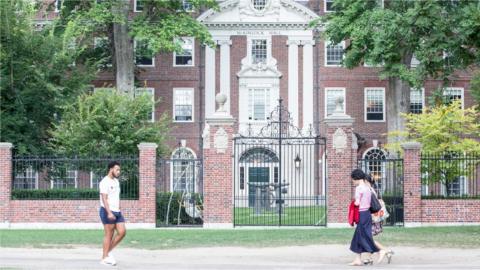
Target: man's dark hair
112, 164
358, 174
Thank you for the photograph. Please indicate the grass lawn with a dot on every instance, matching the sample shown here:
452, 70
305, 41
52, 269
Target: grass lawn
462, 237
306, 216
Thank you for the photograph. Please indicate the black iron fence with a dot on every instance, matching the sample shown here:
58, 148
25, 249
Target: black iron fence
388, 175
61, 177
179, 186
450, 175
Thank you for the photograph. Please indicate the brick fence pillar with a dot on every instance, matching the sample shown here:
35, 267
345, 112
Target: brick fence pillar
217, 173
341, 159
412, 184
147, 191
5, 182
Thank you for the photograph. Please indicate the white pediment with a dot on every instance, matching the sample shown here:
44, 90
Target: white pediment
242, 12
260, 70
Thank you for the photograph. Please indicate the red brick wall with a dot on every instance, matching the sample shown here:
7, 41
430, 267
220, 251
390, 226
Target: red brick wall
218, 181
78, 211
5, 180
339, 183
412, 187
463, 211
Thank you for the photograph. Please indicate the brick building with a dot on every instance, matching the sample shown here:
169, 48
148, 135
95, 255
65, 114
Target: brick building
265, 51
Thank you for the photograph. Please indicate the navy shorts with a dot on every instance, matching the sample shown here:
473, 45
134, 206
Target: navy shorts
105, 220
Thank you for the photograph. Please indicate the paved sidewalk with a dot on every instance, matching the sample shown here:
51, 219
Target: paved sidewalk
304, 257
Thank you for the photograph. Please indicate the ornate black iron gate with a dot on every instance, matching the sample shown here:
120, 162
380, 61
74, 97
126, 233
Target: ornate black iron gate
279, 174
388, 175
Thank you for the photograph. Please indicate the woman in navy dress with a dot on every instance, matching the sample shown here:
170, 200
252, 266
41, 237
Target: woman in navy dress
362, 241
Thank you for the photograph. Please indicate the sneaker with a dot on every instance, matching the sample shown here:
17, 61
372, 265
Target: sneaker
112, 259
108, 261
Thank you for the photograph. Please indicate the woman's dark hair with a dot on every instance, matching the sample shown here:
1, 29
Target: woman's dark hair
112, 164
357, 174
368, 177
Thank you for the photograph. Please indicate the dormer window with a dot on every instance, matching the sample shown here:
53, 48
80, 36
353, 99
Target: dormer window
259, 4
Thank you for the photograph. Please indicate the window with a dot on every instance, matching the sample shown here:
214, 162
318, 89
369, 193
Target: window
329, 6
151, 93
64, 178
187, 5
58, 5
334, 54
102, 47
331, 95
183, 170
450, 94
374, 164
258, 104
374, 104
143, 56
94, 180
138, 5
26, 179
259, 4
185, 58
457, 187
183, 105
259, 51
416, 100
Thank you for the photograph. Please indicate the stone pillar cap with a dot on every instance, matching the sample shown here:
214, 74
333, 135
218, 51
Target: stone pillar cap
411, 145
6, 145
145, 145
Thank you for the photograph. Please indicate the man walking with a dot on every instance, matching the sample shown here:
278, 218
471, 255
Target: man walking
110, 214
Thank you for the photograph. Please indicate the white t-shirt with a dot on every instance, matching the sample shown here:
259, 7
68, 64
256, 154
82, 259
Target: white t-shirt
111, 187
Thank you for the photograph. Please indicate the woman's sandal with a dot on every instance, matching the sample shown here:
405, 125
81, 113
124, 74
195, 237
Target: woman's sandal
389, 256
355, 264
368, 262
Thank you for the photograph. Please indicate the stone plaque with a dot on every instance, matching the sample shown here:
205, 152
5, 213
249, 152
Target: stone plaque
220, 140
339, 140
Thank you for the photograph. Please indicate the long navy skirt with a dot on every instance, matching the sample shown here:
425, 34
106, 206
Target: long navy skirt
362, 240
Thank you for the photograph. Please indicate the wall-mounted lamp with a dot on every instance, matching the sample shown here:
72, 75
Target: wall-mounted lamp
297, 162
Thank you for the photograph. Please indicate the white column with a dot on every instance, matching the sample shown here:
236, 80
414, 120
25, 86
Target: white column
209, 81
307, 83
225, 70
293, 79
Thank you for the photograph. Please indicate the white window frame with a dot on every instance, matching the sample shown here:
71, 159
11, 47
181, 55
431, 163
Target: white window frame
365, 104
193, 54
151, 91
192, 93
456, 88
135, 6
135, 57
172, 165
414, 62
58, 8
325, 6
268, 104
34, 172
91, 179
464, 191
423, 97
326, 98
326, 43
76, 179
250, 43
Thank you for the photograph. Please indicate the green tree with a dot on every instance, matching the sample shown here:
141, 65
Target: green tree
440, 34
158, 27
108, 123
448, 134
38, 77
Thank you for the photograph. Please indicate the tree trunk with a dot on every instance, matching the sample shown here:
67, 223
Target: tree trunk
123, 44
397, 102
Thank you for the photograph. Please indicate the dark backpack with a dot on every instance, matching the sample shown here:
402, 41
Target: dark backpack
375, 205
